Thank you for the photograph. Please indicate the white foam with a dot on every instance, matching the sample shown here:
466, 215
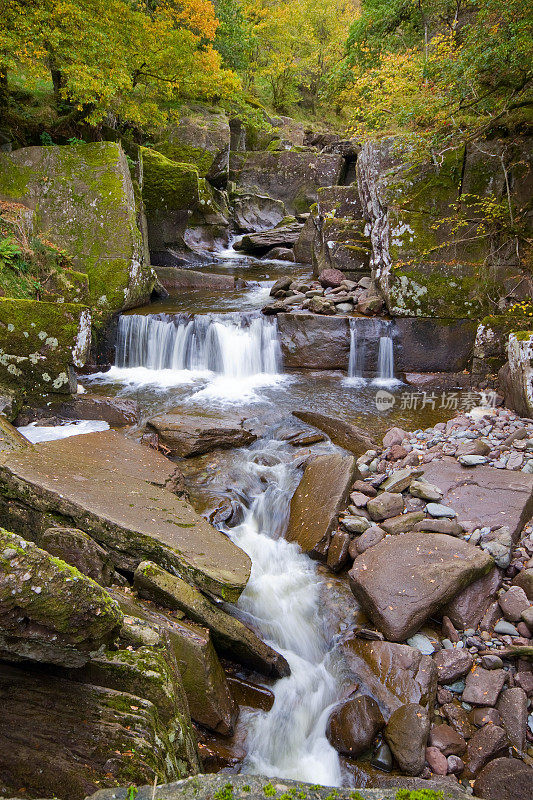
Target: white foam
48, 433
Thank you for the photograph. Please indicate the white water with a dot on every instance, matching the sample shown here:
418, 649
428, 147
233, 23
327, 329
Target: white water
385, 376
47, 433
356, 362
233, 354
282, 601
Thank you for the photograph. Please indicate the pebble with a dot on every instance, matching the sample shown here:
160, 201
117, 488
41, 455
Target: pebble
421, 643
438, 510
504, 627
472, 461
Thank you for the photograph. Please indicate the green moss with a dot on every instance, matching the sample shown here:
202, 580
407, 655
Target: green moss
269, 790
523, 336
167, 184
187, 154
419, 794
225, 793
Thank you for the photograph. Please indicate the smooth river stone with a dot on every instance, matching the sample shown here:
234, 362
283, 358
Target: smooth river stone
403, 580
186, 435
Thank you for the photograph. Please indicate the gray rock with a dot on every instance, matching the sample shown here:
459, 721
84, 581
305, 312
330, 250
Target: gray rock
406, 734
426, 491
385, 505
356, 524
438, 510
400, 479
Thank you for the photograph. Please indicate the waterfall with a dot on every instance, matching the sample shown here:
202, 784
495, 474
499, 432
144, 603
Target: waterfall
356, 361
236, 346
282, 601
385, 372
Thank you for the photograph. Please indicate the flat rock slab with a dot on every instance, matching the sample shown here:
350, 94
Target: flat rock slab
344, 434
188, 435
252, 787
113, 489
316, 503
484, 495
405, 579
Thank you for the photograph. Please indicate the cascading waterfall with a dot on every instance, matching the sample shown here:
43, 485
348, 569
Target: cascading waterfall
356, 362
232, 345
385, 358
282, 601
363, 331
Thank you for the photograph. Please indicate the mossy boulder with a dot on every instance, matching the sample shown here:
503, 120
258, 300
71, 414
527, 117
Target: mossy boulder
41, 342
492, 336
341, 244
200, 136
83, 201
49, 611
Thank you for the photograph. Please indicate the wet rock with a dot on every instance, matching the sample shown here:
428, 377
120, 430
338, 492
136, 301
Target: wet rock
188, 435
505, 628
372, 536
392, 674
513, 602
402, 523
426, 491
467, 608
229, 634
260, 243
437, 761
449, 526
331, 278
309, 341
458, 719
447, 740
512, 708
338, 554
382, 758
400, 479
315, 506
281, 254
49, 611
250, 694
80, 551
483, 686
116, 411
524, 579
456, 765
429, 568
116, 491
505, 779
354, 725
406, 734
484, 716
491, 662
452, 664
385, 505
344, 434
487, 743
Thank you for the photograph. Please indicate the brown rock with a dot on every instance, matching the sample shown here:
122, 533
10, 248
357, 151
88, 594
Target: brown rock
455, 765
452, 664
448, 526
316, 503
458, 719
338, 551
406, 734
524, 579
402, 523
467, 608
449, 630
447, 740
353, 726
80, 551
394, 436
344, 434
331, 278
512, 707
250, 694
369, 538
483, 686
437, 761
505, 779
474, 447
487, 743
396, 452
187, 435
513, 602
427, 568
484, 716
365, 488
385, 505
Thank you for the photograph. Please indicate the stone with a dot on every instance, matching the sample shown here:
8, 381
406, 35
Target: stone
447, 740
314, 342
518, 382
484, 716
254, 212
230, 636
505, 779
437, 761
188, 436
117, 411
527, 617
400, 479
382, 758
280, 254
394, 436
452, 664
42, 342
402, 523
331, 278
250, 694
406, 734
372, 536
512, 707
10, 438
426, 491
467, 608
355, 524
483, 686
198, 138
491, 662
175, 280
83, 199
505, 628
427, 568
315, 505
320, 305
49, 611
353, 726
208, 694
487, 743
455, 765
513, 602
449, 526
458, 719
303, 249
116, 491
344, 434
499, 545
80, 551
338, 554
472, 460
524, 579
396, 453
392, 674
385, 505
488, 497
438, 510
473, 447
259, 244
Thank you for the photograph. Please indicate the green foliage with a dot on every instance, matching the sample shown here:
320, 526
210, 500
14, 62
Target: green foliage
226, 793
419, 794
234, 38
269, 790
46, 139
132, 790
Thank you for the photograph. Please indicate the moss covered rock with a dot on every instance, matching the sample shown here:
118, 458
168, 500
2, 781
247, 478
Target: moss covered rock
49, 611
517, 377
41, 342
200, 136
83, 200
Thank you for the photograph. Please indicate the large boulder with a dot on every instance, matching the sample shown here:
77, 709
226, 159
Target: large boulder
200, 137
392, 674
116, 491
255, 212
316, 503
186, 435
342, 244
405, 579
42, 343
260, 243
83, 199
231, 636
517, 376
286, 175
505, 779
309, 341
49, 611
343, 434
353, 726
407, 734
